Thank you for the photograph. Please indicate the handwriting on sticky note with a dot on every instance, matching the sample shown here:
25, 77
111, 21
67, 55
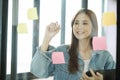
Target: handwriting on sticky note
32, 14
108, 19
99, 43
58, 58
22, 28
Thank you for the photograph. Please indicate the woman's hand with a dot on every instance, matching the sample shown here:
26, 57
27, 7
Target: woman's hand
96, 76
51, 30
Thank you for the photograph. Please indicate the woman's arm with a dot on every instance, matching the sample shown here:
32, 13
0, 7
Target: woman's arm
51, 30
110, 64
41, 62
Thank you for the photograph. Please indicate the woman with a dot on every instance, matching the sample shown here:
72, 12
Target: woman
79, 56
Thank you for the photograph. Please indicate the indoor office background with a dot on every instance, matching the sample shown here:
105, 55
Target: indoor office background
18, 48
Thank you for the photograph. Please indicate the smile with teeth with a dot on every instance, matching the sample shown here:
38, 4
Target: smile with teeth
80, 32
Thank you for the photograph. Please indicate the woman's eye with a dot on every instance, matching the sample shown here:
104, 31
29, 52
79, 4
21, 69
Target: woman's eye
75, 23
85, 23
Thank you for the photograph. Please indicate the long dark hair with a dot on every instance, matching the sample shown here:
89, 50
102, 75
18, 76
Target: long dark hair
73, 61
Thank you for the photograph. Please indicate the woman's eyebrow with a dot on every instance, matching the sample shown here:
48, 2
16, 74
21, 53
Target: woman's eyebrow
76, 20
84, 20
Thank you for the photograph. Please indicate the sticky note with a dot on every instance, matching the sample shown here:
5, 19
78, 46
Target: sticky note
99, 43
32, 14
22, 28
58, 58
108, 19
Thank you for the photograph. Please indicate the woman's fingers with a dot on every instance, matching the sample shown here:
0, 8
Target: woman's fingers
51, 27
54, 27
85, 77
81, 79
99, 76
96, 76
92, 72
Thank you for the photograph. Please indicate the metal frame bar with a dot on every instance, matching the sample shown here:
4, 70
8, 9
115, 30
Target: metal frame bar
36, 27
23, 76
85, 4
14, 40
0, 36
118, 46
3, 26
63, 12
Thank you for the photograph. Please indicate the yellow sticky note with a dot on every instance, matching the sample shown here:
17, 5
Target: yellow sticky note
22, 28
108, 19
32, 14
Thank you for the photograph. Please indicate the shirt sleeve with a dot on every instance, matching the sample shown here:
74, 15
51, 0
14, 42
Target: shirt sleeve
41, 63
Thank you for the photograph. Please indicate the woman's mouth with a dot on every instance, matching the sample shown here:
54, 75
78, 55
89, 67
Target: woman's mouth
80, 32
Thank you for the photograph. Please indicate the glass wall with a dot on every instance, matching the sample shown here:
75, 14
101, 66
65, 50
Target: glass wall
24, 43
97, 8
72, 6
49, 11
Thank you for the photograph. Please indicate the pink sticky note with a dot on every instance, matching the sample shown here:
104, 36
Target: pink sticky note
99, 43
58, 58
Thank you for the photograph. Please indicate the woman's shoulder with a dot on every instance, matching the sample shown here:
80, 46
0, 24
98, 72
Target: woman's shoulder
63, 47
102, 52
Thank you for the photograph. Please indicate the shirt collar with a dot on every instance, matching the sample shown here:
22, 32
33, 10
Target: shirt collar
94, 52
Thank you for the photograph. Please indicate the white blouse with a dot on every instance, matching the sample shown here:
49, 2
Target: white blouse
86, 64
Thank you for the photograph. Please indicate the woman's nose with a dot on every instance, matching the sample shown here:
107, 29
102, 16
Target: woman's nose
80, 26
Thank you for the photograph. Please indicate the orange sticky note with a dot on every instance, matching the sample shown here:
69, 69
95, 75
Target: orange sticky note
22, 28
58, 58
108, 19
32, 14
99, 43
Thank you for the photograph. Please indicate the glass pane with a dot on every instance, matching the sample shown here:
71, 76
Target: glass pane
24, 51
108, 31
50, 11
72, 6
97, 8
24, 46
9, 33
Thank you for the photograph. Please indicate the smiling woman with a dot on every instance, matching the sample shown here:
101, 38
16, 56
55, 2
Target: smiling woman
75, 54
54, 18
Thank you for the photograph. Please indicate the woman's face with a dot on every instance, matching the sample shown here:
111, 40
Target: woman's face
82, 26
